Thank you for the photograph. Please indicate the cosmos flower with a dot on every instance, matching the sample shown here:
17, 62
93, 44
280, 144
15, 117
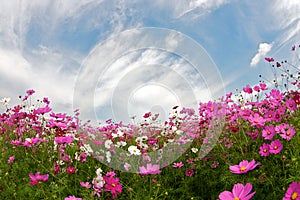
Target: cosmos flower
149, 169
37, 178
275, 147
293, 192
239, 192
243, 167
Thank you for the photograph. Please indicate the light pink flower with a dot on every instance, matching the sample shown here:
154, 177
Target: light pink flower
243, 167
11, 159
72, 198
149, 169
85, 184
178, 165
239, 192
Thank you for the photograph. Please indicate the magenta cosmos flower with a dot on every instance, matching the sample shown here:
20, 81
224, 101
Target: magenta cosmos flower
37, 178
149, 169
243, 167
239, 192
293, 192
275, 147
112, 185
269, 132
189, 172
264, 150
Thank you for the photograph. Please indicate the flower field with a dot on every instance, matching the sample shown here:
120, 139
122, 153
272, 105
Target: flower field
242, 146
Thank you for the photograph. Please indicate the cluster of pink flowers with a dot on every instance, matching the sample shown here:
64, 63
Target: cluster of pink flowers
107, 183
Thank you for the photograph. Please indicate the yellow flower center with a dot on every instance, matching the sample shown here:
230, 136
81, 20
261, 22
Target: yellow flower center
243, 168
288, 133
294, 195
256, 121
236, 198
265, 150
275, 147
113, 185
269, 133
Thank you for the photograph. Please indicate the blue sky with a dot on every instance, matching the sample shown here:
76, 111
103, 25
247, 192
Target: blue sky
46, 45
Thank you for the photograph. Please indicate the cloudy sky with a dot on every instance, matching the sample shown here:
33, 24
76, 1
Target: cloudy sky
101, 56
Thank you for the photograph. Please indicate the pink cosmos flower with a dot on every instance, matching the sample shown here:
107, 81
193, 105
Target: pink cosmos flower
286, 131
82, 157
149, 169
269, 59
264, 150
293, 192
37, 178
15, 142
256, 88
110, 174
29, 142
248, 89
263, 86
61, 140
71, 170
269, 132
291, 104
189, 172
239, 192
42, 111
275, 147
72, 198
85, 184
256, 120
56, 168
11, 159
178, 165
112, 185
146, 115
243, 167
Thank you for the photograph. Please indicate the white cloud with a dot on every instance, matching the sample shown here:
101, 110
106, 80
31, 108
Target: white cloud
196, 8
263, 49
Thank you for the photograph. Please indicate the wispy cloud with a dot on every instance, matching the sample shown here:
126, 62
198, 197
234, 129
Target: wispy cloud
263, 49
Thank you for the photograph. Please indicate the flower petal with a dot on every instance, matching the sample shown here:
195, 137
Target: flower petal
226, 195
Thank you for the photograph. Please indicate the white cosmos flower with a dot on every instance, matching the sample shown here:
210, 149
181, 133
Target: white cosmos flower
108, 143
99, 171
118, 134
141, 139
194, 150
121, 143
5, 101
133, 150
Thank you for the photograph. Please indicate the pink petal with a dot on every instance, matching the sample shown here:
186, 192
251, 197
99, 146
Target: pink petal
235, 169
247, 189
226, 195
249, 196
237, 190
244, 163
